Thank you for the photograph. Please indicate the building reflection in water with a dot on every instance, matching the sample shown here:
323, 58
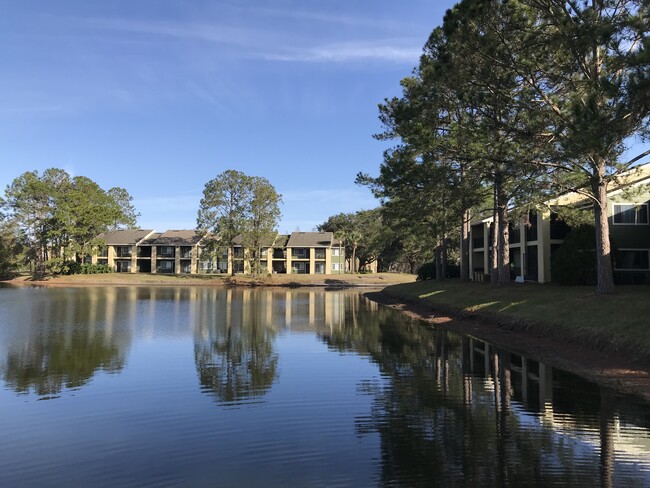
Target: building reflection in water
479, 414
457, 411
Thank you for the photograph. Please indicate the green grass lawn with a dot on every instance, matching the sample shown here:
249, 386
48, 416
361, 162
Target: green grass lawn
613, 322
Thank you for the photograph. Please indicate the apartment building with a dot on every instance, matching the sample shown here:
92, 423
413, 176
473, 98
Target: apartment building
534, 241
187, 252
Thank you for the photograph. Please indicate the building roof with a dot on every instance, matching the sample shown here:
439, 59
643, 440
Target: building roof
634, 176
281, 241
310, 239
178, 238
149, 241
127, 237
268, 242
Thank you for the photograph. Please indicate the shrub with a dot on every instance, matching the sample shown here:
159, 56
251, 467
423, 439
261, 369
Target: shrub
427, 271
57, 266
90, 268
574, 263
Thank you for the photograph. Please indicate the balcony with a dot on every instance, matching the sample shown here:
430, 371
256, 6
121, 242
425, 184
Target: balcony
320, 254
300, 253
165, 252
144, 252
123, 252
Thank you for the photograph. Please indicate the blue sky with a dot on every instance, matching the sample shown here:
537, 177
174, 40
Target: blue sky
161, 96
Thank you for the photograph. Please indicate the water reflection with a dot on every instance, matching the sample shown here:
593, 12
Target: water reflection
55, 344
233, 347
458, 411
343, 391
236, 329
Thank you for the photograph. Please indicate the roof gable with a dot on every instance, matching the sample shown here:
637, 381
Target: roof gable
310, 239
126, 237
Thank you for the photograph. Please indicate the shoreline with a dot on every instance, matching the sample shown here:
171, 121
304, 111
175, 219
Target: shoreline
375, 280
603, 368
612, 368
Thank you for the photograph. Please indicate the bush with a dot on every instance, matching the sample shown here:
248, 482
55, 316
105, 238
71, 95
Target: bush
90, 268
574, 263
427, 271
57, 266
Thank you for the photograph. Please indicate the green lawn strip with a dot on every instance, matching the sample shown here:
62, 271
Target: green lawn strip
619, 322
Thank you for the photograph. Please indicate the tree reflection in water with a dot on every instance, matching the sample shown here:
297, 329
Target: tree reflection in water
457, 412
234, 349
65, 342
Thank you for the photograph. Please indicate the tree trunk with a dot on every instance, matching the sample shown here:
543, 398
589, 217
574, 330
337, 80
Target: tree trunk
604, 270
231, 259
503, 246
464, 247
443, 266
354, 258
494, 246
437, 256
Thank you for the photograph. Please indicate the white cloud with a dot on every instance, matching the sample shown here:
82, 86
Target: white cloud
271, 45
351, 51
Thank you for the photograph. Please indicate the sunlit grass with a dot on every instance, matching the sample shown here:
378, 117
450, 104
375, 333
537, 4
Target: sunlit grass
620, 320
481, 306
432, 293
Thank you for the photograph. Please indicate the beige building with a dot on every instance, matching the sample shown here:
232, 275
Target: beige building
186, 252
533, 243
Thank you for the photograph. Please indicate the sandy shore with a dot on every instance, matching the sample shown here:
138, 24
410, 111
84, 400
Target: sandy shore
125, 279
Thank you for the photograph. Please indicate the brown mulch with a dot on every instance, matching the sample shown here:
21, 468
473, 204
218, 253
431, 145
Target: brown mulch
613, 370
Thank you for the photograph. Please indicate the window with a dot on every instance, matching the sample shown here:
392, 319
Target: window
319, 253
165, 251
632, 259
123, 266
298, 268
336, 266
630, 214
319, 268
336, 251
299, 253
123, 251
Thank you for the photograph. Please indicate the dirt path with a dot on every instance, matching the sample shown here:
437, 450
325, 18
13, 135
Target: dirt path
613, 371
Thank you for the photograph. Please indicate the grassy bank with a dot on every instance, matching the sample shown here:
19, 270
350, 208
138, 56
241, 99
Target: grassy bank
374, 280
614, 323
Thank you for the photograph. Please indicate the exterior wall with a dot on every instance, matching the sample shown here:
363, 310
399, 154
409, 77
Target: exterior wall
336, 261
630, 243
323, 259
532, 252
630, 238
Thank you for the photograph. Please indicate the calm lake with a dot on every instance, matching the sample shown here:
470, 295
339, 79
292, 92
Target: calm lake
202, 386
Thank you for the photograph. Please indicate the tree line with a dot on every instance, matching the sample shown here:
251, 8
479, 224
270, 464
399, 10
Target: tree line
51, 219
514, 102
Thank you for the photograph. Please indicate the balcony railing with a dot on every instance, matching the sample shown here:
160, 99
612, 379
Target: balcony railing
299, 254
123, 253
